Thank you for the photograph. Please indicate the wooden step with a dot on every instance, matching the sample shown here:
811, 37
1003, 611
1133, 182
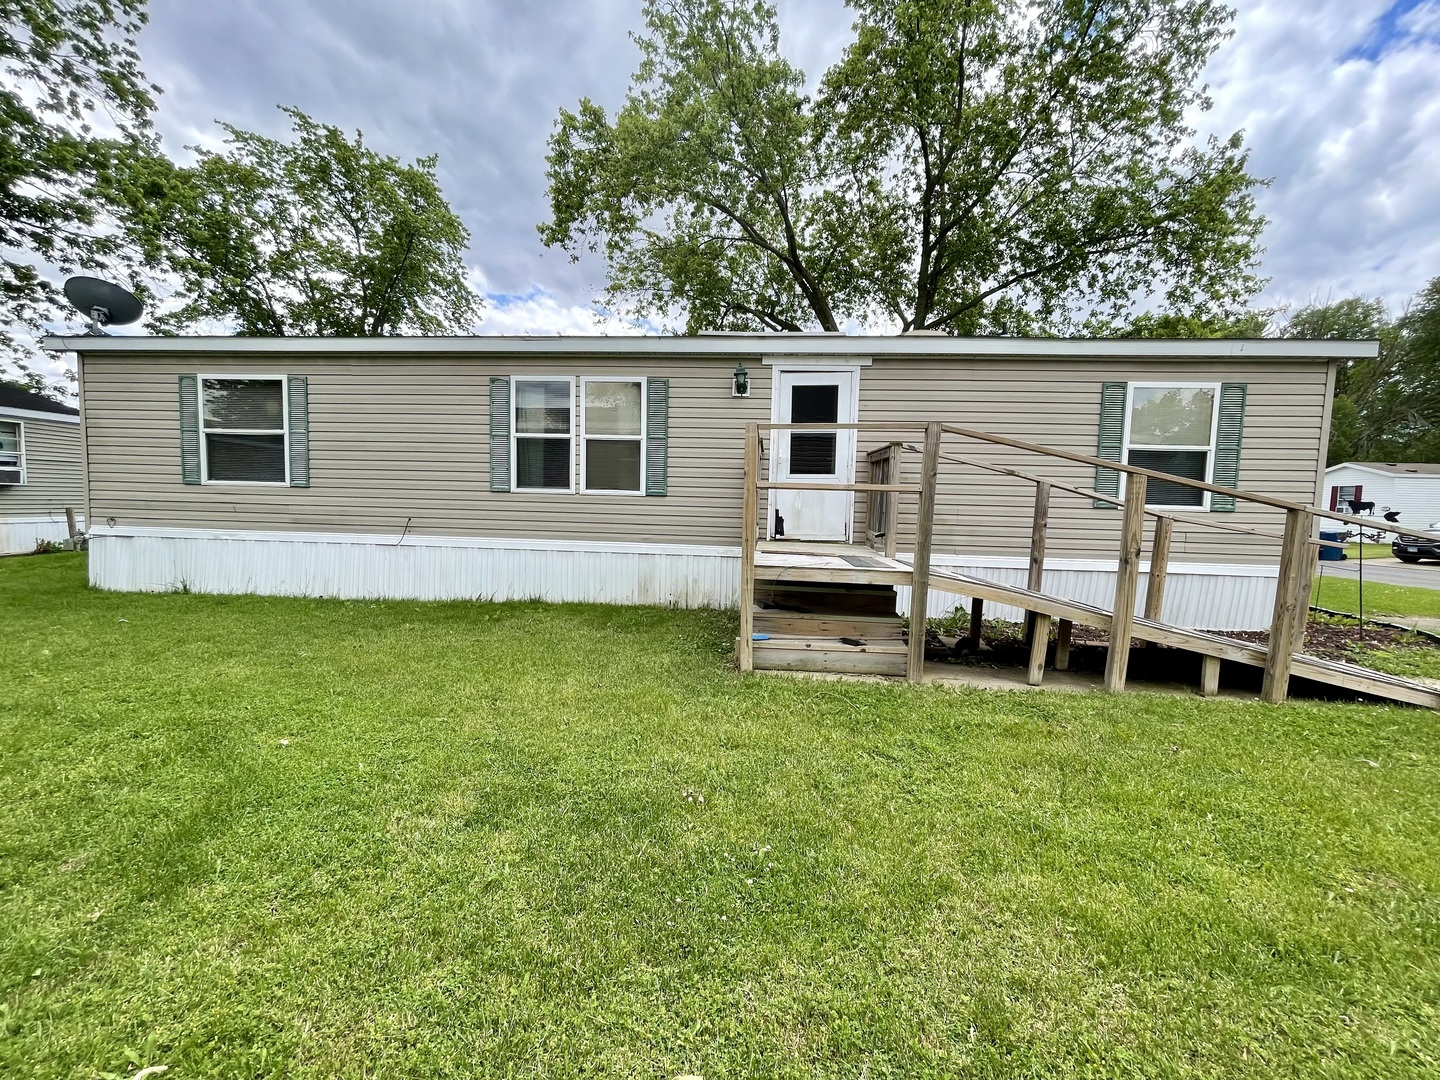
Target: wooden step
828, 625
825, 598
796, 653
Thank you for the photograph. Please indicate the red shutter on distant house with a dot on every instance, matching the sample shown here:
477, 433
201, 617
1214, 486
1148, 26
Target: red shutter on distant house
1335, 497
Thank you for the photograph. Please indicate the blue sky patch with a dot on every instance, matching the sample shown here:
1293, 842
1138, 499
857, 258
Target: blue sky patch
1387, 32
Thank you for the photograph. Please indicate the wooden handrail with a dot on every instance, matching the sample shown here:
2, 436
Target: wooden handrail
796, 485
1113, 500
866, 425
1153, 474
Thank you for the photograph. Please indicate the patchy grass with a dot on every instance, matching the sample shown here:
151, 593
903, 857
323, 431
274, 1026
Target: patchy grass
265, 837
1343, 594
1421, 662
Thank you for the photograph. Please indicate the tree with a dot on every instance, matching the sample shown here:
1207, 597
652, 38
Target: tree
69, 65
1356, 424
1413, 399
967, 166
320, 236
1149, 324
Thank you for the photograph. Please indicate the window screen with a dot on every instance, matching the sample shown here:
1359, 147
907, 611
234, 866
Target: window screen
544, 446
812, 453
1171, 430
9, 445
614, 411
243, 422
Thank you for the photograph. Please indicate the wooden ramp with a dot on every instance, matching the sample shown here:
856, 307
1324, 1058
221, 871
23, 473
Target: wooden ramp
1214, 646
832, 606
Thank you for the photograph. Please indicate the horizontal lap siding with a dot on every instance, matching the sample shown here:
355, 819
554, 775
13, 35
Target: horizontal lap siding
398, 439
54, 476
1057, 403
393, 439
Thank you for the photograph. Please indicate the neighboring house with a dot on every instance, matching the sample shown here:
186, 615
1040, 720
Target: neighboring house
41, 468
609, 468
1412, 490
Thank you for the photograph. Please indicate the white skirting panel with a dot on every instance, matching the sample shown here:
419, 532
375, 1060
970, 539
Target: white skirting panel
18, 535
1199, 596
359, 566
420, 568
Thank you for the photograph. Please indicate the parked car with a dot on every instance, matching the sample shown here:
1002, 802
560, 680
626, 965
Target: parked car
1412, 549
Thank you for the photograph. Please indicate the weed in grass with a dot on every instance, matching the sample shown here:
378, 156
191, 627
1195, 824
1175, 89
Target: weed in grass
246, 836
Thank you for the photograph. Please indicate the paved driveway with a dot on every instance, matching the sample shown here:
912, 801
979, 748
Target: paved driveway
1388, 570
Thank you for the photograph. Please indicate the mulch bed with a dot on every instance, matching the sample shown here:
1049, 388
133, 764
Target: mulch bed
1004, 647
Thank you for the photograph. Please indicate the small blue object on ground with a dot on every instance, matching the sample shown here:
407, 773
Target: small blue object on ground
1332, 554
759, 637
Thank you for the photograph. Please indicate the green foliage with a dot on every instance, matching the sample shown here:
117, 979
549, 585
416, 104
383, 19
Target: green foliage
68, 65
967, 166
1388, 408
319, 236
1248, 324
271, 837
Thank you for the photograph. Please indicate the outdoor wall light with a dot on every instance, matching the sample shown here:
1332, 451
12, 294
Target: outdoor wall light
742, 381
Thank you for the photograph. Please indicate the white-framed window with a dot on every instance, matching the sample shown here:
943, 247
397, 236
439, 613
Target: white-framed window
244, 429
1170, 427
612, 430
12, 452
543, 433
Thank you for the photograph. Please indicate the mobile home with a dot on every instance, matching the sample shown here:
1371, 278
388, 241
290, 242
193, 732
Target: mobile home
610, 469
41, 469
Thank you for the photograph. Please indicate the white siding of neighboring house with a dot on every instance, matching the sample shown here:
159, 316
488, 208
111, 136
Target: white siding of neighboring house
54, 480
1416, 497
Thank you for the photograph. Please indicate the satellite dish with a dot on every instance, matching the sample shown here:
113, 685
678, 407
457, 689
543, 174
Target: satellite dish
103, 303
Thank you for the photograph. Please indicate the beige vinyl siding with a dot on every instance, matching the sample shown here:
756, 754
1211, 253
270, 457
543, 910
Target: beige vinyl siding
399, 439
54, 476
395, 438
1057, 403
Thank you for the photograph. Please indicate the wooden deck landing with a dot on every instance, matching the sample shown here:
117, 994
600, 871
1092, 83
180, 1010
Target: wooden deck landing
809, 631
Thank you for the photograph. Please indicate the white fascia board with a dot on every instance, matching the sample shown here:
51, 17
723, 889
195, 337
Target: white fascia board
38, 414
756, 346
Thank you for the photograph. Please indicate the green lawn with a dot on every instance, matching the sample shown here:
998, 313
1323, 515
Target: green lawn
248, 837
1343, 594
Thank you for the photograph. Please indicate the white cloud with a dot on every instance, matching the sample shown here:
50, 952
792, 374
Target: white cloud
1339, 99
1341, 106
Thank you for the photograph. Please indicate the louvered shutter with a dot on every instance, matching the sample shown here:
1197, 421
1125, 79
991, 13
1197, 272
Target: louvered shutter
1112, 441
657, 436
299, 448
500, 434
190, 429
1229, 434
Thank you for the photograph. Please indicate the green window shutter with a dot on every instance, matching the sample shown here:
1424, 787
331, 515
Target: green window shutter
1230, 432
299, 448
1112, 441
657, 436
500, 434
190, 429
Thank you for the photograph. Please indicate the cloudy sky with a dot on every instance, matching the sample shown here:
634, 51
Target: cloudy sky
1340, 100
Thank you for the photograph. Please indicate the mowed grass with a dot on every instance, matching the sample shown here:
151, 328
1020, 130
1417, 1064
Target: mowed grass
251, 837
1343, 594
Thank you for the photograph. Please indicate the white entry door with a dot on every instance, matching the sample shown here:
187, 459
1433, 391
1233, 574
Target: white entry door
819, 457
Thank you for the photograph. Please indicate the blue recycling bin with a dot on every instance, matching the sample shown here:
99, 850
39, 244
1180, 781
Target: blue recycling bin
1332, 554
